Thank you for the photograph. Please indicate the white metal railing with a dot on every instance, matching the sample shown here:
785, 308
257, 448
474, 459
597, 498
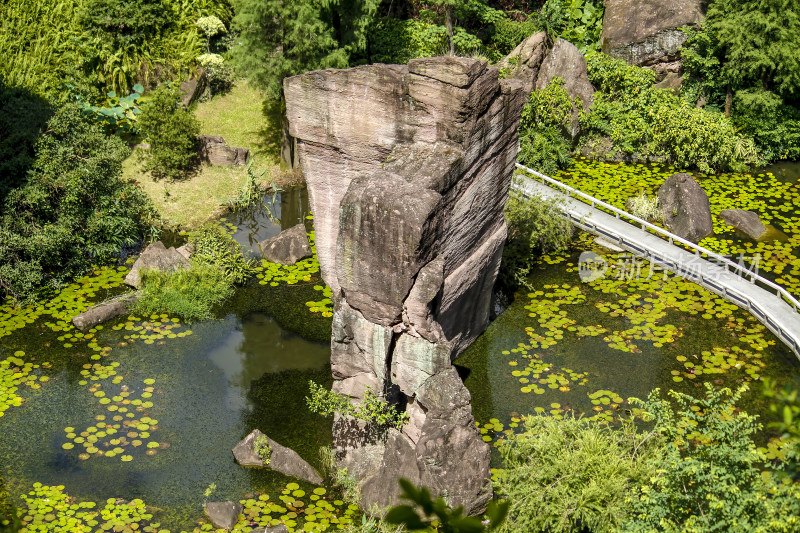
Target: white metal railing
720, 260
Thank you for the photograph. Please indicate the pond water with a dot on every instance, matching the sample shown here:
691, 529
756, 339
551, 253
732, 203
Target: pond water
169, 400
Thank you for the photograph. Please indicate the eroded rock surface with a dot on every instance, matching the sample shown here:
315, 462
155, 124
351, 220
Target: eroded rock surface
685, 207
647, 32
408, 169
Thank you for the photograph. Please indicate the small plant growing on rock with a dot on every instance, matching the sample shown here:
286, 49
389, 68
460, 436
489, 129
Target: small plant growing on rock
262, 448
372, 408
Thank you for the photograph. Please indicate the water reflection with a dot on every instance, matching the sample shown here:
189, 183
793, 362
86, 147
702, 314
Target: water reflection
258, 346
275, 213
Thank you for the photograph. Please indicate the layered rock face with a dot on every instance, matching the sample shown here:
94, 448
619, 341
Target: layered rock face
647, 32
408, 168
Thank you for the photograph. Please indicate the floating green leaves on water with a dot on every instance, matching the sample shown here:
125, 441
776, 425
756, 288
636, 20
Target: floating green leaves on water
324, 306
14, 373
69, 302
153, 331
48, 508
775, 201
127, 427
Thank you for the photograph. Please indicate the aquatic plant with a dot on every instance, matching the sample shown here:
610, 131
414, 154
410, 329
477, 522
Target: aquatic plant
15, 372
190, 293
644, 207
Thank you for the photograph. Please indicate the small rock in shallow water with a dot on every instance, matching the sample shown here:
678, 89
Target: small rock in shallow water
223, 515
288, 247
281, 459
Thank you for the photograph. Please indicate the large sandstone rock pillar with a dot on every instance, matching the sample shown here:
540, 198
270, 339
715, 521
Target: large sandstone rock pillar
408, 168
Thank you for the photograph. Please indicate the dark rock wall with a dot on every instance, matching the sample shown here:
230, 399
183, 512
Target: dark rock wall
408, 170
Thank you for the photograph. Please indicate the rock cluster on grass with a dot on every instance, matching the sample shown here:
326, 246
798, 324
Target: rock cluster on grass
288, 247
214, 150
281, 459
408, 169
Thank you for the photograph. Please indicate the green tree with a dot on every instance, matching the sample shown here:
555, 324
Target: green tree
73, 210
282, 38
172, 132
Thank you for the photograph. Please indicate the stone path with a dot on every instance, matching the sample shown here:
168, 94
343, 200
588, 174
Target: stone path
772, 305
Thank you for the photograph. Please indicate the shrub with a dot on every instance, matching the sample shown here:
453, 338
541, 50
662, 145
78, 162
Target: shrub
74, 210
219, 74
212, 245
652, 124
709, 477
546, 128
535, 226
572, 474
372, 408
172, 132
189, 293
644, 207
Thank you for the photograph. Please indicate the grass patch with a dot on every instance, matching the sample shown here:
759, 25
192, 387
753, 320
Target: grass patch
242, 119
190, 293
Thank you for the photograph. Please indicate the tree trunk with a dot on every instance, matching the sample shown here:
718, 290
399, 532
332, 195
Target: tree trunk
448, 22
728, 102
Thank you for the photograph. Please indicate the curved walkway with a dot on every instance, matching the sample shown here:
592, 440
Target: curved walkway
770, 303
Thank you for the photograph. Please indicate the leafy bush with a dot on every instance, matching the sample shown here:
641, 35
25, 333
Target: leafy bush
214, 246
427, 513
372, 408
117, 115
546, 128
644, 207
218, 73
709, 477
189, 293
652, 124
508, 33
74, 210
535, 226
572, 475
172, 132
577, 21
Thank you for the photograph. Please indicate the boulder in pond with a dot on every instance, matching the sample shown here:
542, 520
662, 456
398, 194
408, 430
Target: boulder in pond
281, 459
104, 311
156, 257
223, 515
685, 207
288, 247
746, 221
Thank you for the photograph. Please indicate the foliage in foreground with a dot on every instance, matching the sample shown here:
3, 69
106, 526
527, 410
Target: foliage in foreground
572, 475
74, 209
535, 226
425, 512
172, 133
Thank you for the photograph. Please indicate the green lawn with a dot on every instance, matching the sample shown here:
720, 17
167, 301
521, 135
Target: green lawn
242, 119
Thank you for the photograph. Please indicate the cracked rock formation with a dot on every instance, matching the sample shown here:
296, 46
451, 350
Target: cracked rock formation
408, 169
